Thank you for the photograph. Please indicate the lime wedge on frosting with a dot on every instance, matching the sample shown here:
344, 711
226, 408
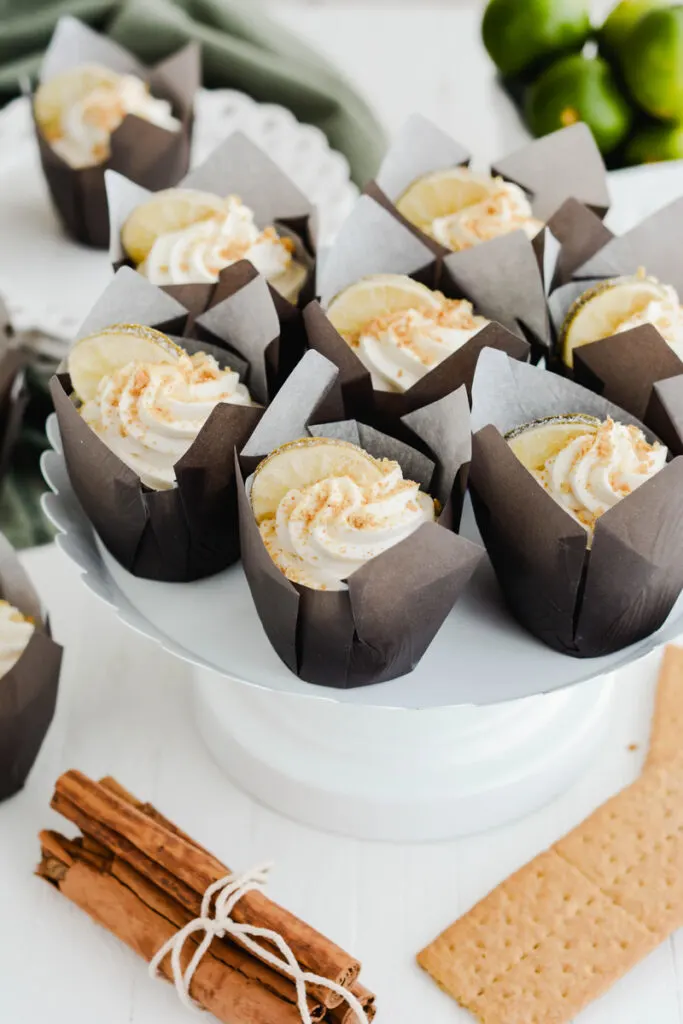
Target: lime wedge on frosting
600, 311
534, 443
101, 354
442, 193
170, 210
376, 296
300, 463
54, 97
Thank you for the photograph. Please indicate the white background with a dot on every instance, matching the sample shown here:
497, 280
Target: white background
125, 708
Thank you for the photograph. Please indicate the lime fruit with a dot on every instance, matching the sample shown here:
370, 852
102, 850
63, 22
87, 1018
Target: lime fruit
376, 296
575, 89
619, 24
652, 63
102, 354
654, 143
601, 310
307, 461
518, 33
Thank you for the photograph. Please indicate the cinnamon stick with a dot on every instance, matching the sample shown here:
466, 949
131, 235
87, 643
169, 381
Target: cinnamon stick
227, 952
345, 1015
222, 949
184, 871
228, 994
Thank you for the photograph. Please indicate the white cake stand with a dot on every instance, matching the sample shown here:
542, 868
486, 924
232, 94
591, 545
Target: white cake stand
490, 725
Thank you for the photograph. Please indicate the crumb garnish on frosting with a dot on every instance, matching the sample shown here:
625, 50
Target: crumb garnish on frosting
198, 252
150, 414
323, 532
592, 472
81, 136
16, 630
399, 348
505, 209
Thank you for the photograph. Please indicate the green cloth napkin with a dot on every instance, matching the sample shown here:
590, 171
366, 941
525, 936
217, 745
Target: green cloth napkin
241, 49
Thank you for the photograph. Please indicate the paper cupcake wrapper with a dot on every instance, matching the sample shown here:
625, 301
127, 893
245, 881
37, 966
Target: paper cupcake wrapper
13, 389
382, 625
628, 367
243, 323
552, 169
28, 692
190, 531
503, 284
147, 154
236, 167
582, 603
571, 236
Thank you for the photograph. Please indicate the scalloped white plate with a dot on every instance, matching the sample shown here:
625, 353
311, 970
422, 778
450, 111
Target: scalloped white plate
481, 656
50, 282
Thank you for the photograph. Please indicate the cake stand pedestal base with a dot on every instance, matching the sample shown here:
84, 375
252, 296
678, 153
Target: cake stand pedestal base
400, 775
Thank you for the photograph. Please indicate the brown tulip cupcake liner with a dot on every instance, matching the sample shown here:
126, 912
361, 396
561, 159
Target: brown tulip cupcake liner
147, 154
635, 369
382, 625
28, 691
14, 392
500, 278
190, 531
582, 602
565, 164
236, 167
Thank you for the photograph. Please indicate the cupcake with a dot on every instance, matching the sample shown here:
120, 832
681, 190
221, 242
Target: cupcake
235, 206
621, 304
618, 323
29, 673
586, 465
146, 398
405, 328
325, 508
78, 110
347, 534
95, 108
400, 329
426, 177
459, 208
149, 425
577, 507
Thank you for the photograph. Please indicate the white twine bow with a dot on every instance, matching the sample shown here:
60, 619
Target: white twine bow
230, 890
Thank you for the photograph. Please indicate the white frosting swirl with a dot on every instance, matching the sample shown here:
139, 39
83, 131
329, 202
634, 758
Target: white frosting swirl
597, 469
200, 251
506, 209
324, 532
15, 632
87, 124
400, 348
665, 314
149, 414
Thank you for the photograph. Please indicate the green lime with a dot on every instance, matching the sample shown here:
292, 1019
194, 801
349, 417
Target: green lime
652, 63
619, 24
654, 143
579, 88
517, 33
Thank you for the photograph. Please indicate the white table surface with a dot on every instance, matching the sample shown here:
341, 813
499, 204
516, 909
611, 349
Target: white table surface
125, 707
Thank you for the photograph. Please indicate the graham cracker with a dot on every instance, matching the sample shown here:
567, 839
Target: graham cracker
566, 926
538, 948
666, 736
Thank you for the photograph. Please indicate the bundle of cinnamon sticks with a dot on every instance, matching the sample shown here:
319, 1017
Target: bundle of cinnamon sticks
141, 878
